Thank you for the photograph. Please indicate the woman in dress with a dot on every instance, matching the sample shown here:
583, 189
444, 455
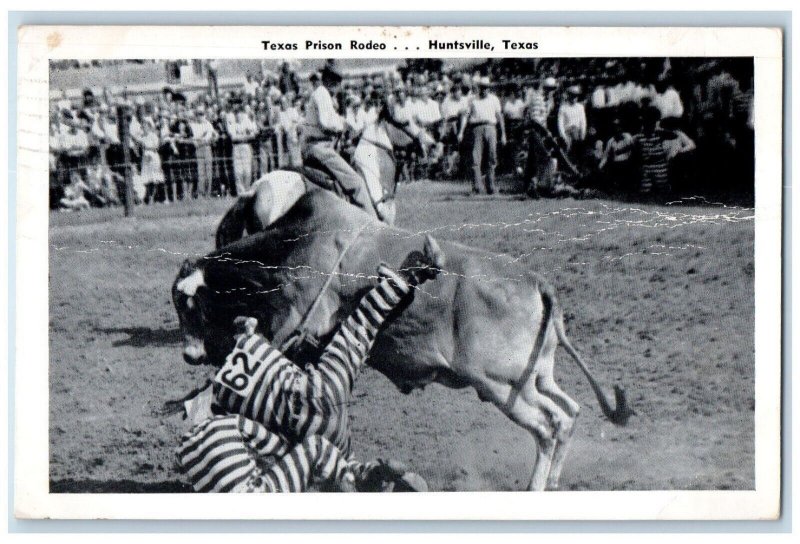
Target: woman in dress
151, 172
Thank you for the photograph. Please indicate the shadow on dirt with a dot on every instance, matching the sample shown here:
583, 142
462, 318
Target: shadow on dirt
117, 486
144, 337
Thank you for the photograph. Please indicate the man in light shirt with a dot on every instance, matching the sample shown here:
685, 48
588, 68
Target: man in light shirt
668, 101
514, 108
74, 148
426, 109
322, 126
483, 117
204, 136
572, 119
427, 116
242, 130
454, 106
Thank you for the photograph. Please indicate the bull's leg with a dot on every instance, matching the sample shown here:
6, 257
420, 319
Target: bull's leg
534, 403
547, 386
559, 455
535, 413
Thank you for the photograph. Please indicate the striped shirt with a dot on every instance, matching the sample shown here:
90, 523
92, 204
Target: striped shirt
539, 108
294, 418
260, 383
654, 162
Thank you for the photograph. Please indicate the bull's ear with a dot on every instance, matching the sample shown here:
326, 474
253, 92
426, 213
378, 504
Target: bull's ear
187, 268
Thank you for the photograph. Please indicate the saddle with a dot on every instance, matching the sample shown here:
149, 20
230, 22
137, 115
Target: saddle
317, 176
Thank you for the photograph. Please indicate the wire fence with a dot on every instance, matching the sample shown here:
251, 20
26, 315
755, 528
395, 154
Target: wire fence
172, 173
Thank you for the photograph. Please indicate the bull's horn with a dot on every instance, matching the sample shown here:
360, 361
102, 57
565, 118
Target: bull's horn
434, 252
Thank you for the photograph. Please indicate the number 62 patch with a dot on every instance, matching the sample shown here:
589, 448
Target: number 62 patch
240, 372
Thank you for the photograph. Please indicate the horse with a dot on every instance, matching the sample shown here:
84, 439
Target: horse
272, 195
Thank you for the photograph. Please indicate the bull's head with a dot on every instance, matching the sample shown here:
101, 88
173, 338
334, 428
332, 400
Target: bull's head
207, 335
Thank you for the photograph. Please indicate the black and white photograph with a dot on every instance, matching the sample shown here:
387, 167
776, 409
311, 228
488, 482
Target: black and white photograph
513, 272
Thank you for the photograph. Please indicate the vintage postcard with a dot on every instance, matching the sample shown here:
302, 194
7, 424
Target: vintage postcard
488, 273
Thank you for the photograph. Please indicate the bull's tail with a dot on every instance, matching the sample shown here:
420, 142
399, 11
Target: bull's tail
621, 412
235, 221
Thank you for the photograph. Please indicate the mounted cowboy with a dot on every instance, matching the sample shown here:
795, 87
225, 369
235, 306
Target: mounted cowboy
322, 127
374, 165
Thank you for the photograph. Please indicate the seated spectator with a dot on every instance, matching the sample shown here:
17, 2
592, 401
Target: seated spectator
105, 183
74, 194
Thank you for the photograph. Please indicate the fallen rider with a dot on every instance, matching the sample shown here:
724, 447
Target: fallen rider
279, 427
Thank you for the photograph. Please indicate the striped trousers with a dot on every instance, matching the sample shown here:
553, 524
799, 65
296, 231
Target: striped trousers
230, 454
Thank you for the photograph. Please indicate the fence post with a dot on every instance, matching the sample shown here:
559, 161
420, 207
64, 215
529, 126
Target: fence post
123, 128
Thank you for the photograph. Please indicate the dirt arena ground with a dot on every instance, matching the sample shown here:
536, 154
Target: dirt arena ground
658, 299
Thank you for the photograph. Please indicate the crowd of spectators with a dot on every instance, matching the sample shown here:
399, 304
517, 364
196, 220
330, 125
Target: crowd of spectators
630, 125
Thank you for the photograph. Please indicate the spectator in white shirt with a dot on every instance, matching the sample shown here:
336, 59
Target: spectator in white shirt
74, 146
242, 130
572, 119
425, 109
454, 106
599, 99
151, 171
668, 101
514, 108
483, 117
204, 136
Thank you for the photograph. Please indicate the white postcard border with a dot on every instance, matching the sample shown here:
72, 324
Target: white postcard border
37, 45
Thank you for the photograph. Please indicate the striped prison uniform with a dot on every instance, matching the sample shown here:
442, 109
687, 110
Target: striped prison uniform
654, 163
264, 387
234, 454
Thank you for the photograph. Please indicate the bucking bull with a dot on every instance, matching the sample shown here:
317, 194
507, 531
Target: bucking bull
479, 325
